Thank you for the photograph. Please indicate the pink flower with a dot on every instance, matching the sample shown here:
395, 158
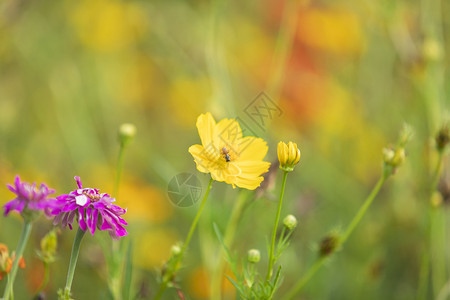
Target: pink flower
29, 197
92, 210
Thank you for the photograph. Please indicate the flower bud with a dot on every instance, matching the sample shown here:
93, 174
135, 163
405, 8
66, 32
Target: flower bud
442, 138
126, 133
432, 50
288, 155
436, 200
328, 245
388, 154
253, 256
49, 244
175, 250
290, 222
394, 157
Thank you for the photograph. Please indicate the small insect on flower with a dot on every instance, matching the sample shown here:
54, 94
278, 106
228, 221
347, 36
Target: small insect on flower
226, 154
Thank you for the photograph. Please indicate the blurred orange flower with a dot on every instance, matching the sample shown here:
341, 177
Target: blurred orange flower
6, 261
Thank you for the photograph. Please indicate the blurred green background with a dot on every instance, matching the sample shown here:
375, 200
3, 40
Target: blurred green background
345, 74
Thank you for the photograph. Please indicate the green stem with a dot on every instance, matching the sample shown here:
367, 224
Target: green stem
114, 281
174, 267
275, 227
426, 256
44, 281
362, 211
20, 248
73, 262
305, 278
120, 160
230, 231
351, 227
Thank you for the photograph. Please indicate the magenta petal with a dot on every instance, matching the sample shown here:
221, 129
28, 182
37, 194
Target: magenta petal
64, 220
72, 215
11, 188
17, 181
57, 219
81, 220
94, 220
78, 180
95, 213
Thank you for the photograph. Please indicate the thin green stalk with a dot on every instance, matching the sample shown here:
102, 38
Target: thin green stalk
425, 265
120, 161
230, 231
426, 256
73, 262
114, 281
174, 267
20, 248
350, 228
362, 211
305, 278
45, 280
275, 227
424, 275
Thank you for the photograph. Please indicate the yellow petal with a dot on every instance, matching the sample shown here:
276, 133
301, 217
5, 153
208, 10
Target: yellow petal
292, 152
249, 183
298, 157
206, 126
201, 158
227, 133
251, 148
281, 153
251, 169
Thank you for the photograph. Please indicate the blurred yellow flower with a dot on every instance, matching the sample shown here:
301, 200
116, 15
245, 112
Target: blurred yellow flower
227, 155
108, 25
188, 96
334, 31
288, 155
154, 247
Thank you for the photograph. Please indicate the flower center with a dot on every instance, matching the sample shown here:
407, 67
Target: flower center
228, 154
94, 197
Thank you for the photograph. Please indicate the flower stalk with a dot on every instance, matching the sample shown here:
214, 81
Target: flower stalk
178, 257
26, 230
73, 262
350, 228
427, 256
275, 227
230, 231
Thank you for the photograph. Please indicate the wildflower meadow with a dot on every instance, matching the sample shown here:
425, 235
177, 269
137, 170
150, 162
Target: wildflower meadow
273, 150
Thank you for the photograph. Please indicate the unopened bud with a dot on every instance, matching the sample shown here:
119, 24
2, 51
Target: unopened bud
288, 155
253, 256
436, 200
328, 245
443, 138
432, 50
49, 244
290, 222
388, 154
126, 133
175, 250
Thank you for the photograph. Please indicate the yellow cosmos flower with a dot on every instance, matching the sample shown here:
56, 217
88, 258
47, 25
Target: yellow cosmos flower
227, 155
288, 155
